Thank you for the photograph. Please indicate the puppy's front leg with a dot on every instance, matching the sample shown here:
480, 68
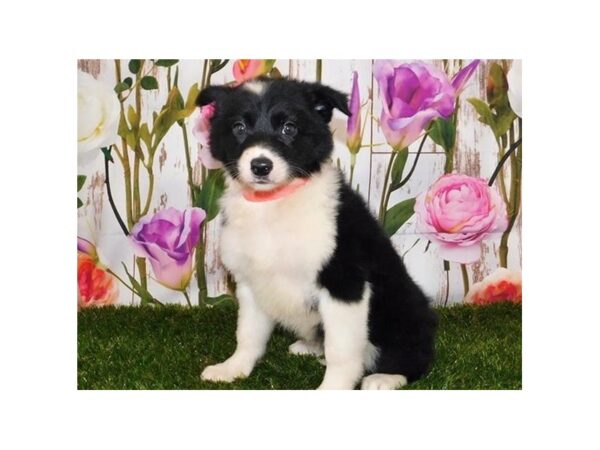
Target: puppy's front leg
253, 331
346, 337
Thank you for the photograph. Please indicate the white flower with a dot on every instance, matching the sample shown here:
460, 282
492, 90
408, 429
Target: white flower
97, 117
514, 87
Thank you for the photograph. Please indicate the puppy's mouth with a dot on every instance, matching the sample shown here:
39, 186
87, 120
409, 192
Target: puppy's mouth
264, 184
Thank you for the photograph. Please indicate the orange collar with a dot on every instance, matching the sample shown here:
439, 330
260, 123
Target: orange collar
274, 194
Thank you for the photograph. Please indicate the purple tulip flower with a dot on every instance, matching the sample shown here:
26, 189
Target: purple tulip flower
85, 246
168, 239
414, 94
354, 138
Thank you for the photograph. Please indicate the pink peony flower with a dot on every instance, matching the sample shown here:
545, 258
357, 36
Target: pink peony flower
354, 139
457, 212
247, 69
413, 95
201, 130
168, 239
501, 285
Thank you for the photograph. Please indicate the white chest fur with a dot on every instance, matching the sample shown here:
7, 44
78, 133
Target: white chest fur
277, 248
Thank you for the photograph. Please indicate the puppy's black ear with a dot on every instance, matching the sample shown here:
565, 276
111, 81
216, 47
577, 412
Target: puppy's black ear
324, 99
212, 94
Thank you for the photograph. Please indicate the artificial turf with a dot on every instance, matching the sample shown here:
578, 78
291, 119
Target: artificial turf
478, 347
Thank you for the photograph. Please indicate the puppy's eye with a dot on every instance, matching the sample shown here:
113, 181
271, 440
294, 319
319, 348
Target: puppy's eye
289, 129
239, 128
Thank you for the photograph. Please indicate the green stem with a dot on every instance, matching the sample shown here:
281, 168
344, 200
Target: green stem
121, 280
150, 189
125, 159
412, 169
188, 163
137, 208
501, 174
393, 187
508, 153
109, 192
204, 72
447, 270
465, 278
319, 70
352, 164
200, 269
515, 196
187, 298
141, 263
385, 197
449, 165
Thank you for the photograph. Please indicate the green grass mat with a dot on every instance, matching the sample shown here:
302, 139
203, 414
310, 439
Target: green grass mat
167, 348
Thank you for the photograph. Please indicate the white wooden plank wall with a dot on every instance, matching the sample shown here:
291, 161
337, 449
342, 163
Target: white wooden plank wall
476, 156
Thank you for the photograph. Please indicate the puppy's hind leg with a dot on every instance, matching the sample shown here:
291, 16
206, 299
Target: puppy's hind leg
254, 328
383, 381
303, 347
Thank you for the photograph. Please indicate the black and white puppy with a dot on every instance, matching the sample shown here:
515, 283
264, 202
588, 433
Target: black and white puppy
304, 249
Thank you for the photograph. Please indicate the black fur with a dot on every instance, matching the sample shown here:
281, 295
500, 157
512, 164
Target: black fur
401, 323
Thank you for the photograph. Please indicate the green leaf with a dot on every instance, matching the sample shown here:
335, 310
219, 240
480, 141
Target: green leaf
80, 181
120, 87
443, 133
190, 103
207, 196
149, 82
167, 116
124, 85
398, 167
217, 64
132, 117
397, 215
166, 62
123, 129
275, 73
79, 203
135, 65
145, 135
499, 122
504, 121
485, 113
176, 77
131, 140
145, 296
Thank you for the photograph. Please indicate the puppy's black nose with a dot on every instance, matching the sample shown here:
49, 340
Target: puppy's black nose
261, 166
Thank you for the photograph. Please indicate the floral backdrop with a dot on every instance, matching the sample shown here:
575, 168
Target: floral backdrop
434, 147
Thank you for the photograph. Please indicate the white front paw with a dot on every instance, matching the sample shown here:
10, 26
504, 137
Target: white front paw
225, 371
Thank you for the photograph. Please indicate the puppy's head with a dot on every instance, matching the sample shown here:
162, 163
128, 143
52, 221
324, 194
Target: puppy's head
269, 132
